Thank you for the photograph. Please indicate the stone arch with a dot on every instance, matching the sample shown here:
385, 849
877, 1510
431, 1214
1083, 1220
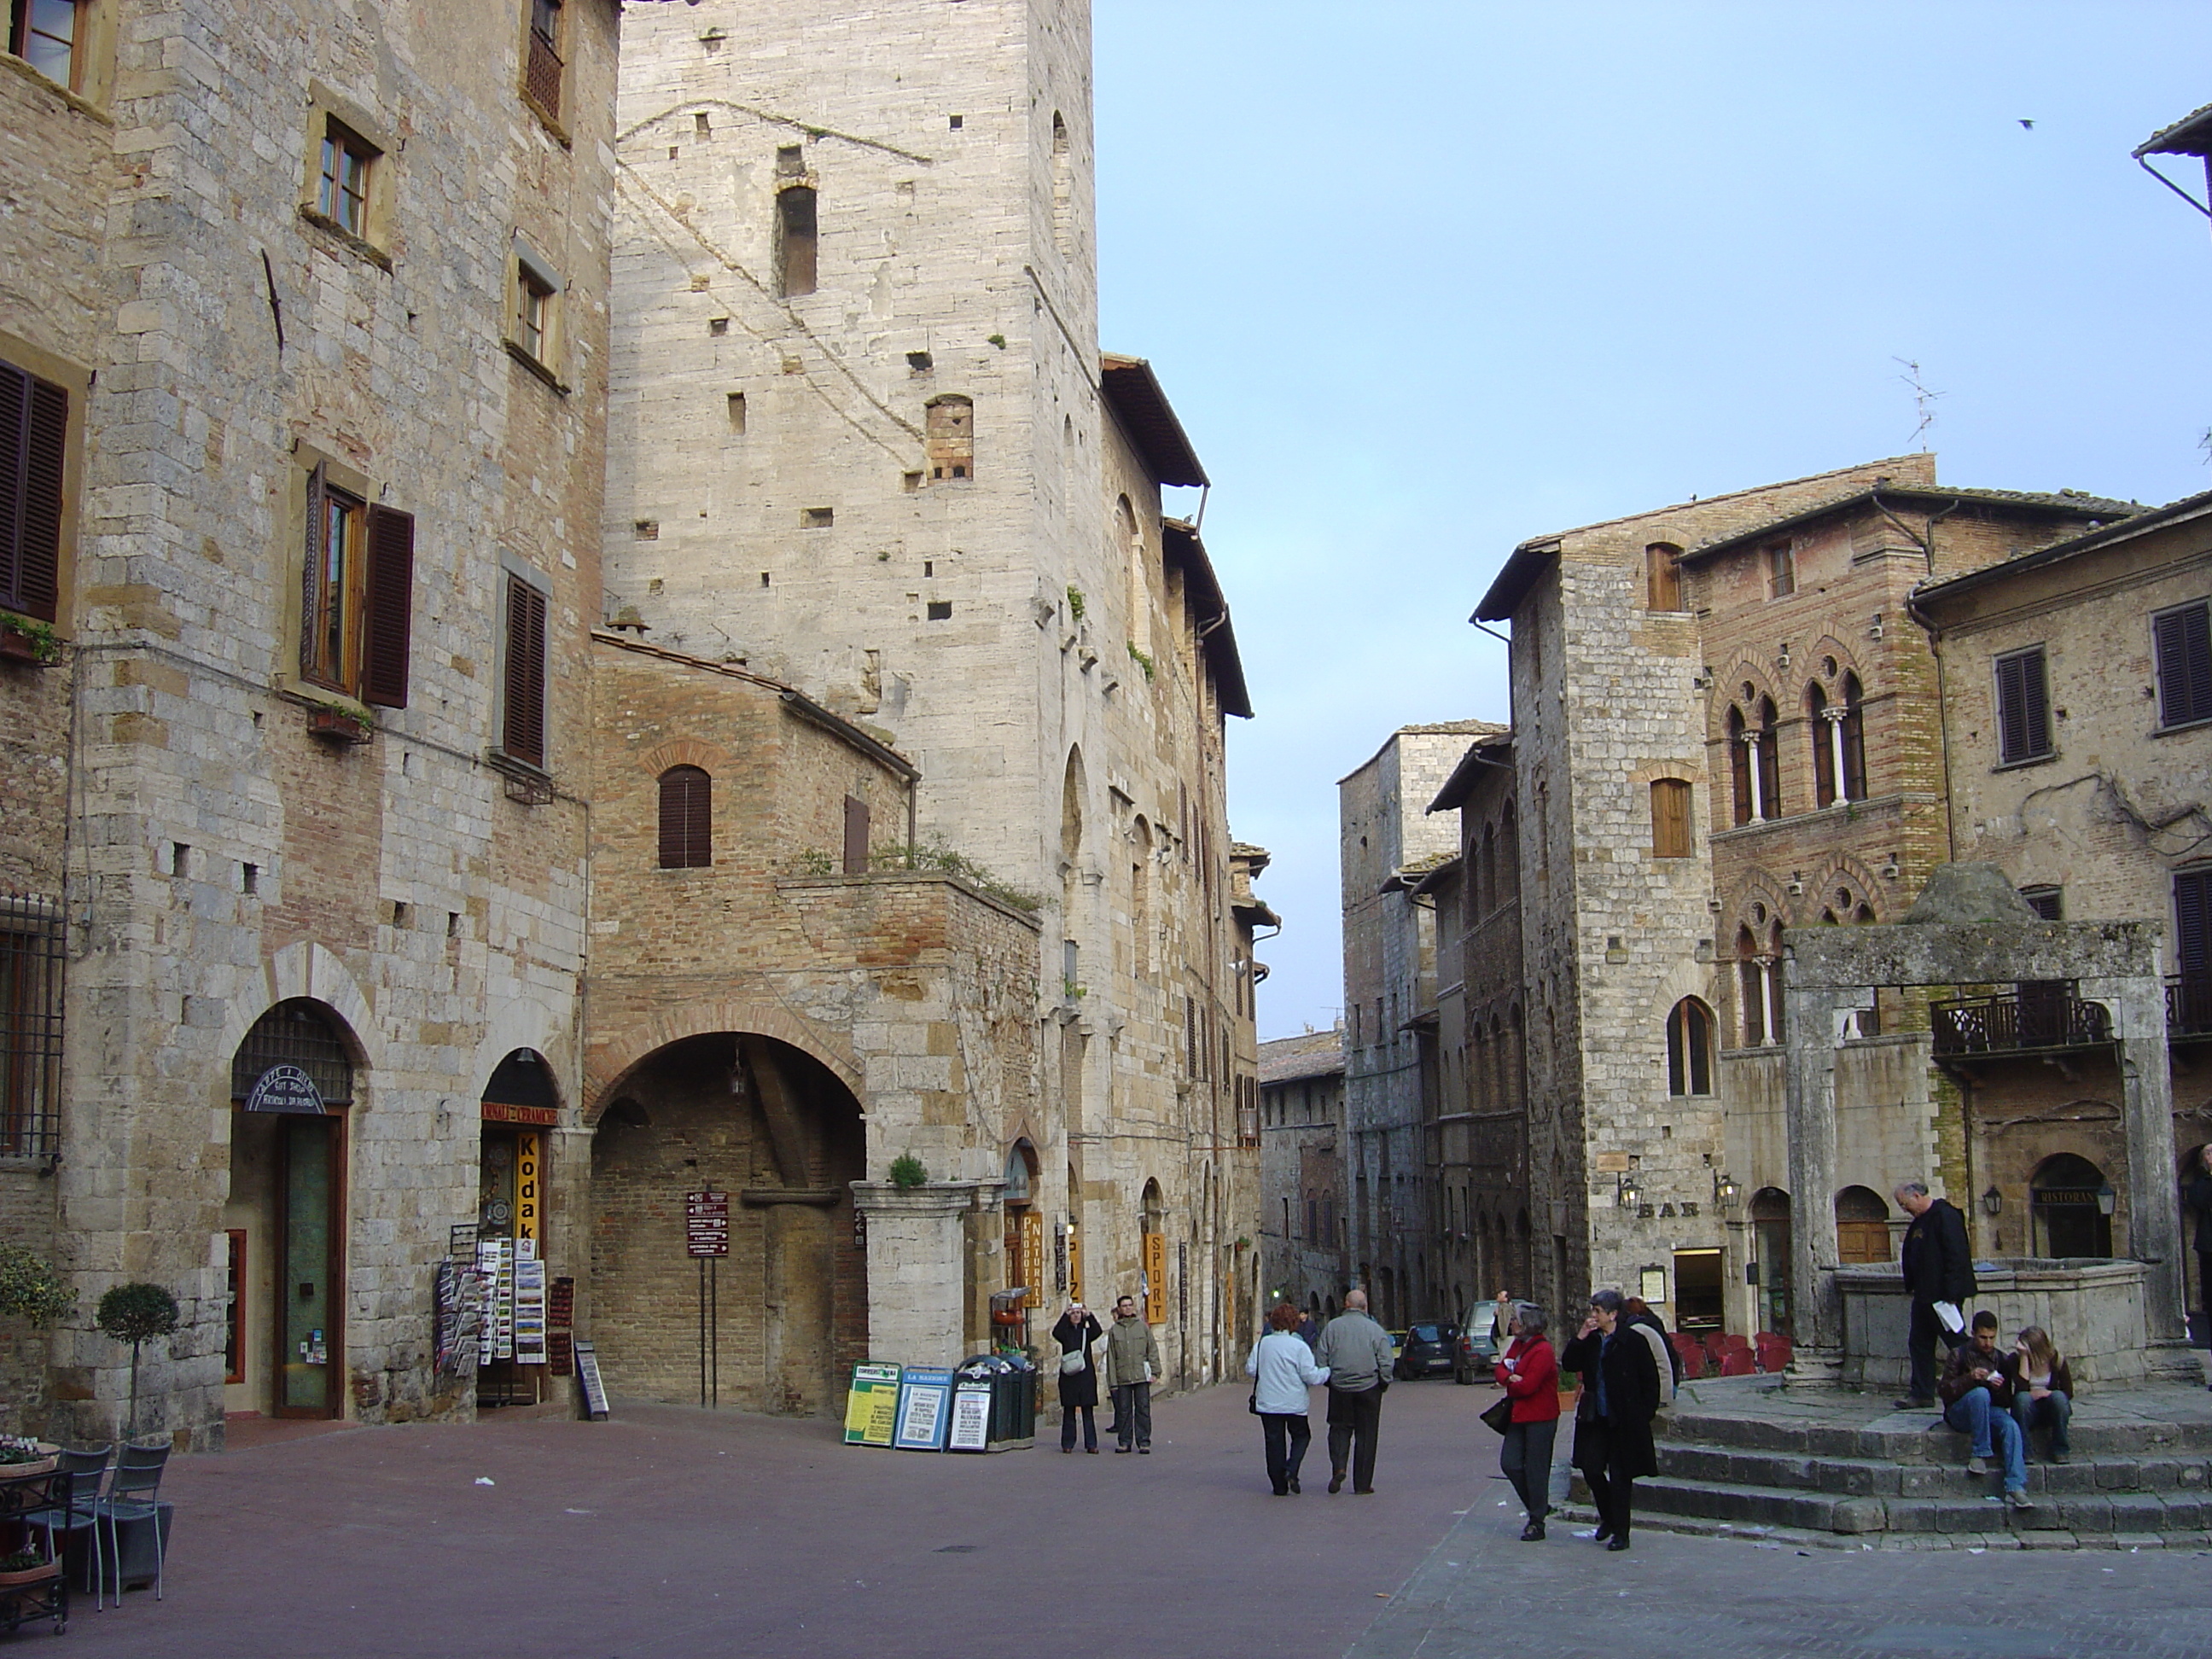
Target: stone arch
683, 752
1847, 871
1846, 661
522, 1023
308, 971
608, 1066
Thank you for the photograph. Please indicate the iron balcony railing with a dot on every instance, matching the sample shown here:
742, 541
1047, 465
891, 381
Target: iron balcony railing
2028, 1019
2188, 1004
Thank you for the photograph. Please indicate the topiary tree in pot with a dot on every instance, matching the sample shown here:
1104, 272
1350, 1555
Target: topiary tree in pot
134, 1314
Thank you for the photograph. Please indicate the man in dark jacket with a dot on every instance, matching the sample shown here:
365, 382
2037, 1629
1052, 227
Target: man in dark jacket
1938, 1267
2196, 1193
1977, 1402
1613, 1420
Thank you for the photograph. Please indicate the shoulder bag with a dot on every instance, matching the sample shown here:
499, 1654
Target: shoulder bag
1499, 1415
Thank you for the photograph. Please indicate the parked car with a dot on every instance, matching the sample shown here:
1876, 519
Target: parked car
1477, 1352
1427, 1351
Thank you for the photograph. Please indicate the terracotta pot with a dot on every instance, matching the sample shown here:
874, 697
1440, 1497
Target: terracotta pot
18, 646
29, 1576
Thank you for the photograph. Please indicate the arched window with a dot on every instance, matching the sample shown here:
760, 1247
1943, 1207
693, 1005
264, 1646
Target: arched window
1743, 770
1770, 1236
1313, 1214
1862, 1226
795, 239
1824, 733
1663, 577
1769, 756
687, 818
1851, 739
296, 1032
1509, 850
1485, 874
1690, 1048
1063, 186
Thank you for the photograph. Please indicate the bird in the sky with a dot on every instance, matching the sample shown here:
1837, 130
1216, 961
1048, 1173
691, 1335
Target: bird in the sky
2030, 125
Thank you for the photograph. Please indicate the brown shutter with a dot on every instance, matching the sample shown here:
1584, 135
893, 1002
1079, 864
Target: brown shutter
2023, 708
2192, 916
2185, 665
14, 418
687, 818
310, 585
524, 736
856, 837
34, 434
391, 606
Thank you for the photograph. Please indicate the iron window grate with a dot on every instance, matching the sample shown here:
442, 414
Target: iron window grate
31, 956
295, 1032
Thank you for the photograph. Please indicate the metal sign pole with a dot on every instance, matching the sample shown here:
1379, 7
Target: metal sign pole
714, 1326
702, 1330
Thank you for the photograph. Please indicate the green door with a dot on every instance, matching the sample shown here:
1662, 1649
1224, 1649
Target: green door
307, 1290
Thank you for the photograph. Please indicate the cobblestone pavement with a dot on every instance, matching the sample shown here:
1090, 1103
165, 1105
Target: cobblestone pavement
675, 1534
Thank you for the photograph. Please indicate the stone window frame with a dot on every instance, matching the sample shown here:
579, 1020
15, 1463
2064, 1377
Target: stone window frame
91, 82
329, 110
528, 272
314, 471
1690, 1051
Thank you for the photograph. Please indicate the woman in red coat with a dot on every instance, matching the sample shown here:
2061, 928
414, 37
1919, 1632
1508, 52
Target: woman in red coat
1529, 1374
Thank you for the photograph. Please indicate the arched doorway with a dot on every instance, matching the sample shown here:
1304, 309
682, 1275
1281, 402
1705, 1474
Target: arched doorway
771, 1125
2071, 1206
1769, 1254
519, 1109
291, 1088
1862, 1226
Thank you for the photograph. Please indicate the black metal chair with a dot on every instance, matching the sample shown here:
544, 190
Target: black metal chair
134, 1494
81, 1473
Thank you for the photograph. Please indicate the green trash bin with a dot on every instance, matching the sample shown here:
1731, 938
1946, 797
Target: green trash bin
1013, 1383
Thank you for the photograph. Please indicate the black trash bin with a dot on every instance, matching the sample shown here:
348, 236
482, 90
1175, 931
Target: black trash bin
1013, 1382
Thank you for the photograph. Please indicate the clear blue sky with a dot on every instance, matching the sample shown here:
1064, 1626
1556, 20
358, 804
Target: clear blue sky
1425, 280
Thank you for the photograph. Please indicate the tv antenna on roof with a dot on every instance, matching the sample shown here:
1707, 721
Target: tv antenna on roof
1923, 401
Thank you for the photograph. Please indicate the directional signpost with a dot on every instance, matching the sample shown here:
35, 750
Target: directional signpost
706, 1237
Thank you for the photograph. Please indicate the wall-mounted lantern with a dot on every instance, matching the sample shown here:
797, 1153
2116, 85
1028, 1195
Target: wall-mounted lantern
1993, 1201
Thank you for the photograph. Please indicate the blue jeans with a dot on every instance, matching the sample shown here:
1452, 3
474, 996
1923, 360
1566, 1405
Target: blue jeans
1994, 1434
2054, 1408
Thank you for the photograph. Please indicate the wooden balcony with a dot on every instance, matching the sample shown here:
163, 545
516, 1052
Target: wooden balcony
2032, 1020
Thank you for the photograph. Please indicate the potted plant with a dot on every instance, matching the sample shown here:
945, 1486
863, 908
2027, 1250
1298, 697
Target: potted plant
23, 638
337, 725
21, 1456
133, 1314
26, 1567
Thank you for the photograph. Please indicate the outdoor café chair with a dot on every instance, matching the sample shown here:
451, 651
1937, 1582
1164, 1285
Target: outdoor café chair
134, 1495
81, 1473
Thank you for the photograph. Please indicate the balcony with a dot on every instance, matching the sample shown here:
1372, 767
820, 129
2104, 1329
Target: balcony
2034, 1019
2189, 1005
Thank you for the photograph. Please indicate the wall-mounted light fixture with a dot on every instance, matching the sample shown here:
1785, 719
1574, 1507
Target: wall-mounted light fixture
1725, 1191
1993, 1201
2105, 1199
1628, 1192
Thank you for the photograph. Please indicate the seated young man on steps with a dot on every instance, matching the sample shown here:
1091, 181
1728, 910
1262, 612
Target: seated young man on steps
1976, 1397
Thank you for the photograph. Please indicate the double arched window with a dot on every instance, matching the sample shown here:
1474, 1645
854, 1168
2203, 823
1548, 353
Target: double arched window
1758, 984
1755, 759
1839, 729
687, 818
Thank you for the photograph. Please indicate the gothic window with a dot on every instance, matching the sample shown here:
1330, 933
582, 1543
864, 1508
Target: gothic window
795, 240
1690, 1048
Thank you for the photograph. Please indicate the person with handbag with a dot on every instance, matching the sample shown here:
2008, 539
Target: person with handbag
1282, 1369
1133, 1360
1529, 1415
1077, 1329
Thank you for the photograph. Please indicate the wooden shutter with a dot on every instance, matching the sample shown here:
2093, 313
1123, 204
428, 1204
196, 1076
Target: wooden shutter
391, 607
687, 818
524, 739
311, 583
2023, 707
2183, 640
2192, 920
856, 837
33, 437
1670, 818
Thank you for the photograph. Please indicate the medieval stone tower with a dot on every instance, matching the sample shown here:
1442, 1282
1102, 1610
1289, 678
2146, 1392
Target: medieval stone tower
863, 441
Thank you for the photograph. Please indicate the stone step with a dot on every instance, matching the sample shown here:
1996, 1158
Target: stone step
1918, 1437
1876, 1477
2088, 1513
1764, 1506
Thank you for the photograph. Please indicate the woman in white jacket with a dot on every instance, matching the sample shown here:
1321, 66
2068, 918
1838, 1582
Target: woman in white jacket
1282, 1369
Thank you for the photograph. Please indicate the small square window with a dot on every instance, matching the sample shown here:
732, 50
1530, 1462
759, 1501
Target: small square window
48, 36
645, 530
737, 412
956, 123
817, 518
940, 610
718, 326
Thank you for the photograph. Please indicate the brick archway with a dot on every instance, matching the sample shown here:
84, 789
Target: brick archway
609, 1062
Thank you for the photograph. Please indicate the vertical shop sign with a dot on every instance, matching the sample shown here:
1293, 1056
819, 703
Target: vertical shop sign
527, 1151
1031, 1265
1156, 1279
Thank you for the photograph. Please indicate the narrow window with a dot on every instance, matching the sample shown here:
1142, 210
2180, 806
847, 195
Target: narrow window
1670, 818
2048, 903
1663, 577
233, 1333
342, 192
949, 427
736, 412
687, 818
541, 76
1752, 990
1689, 1048
1769, 755
1781, 571
533, 312
33, 430
1850, 740
1063, 186
2023, 707
1741, 772
357, 597
2184, 641
856, 836
1825, 727
31, 961
795, 240
522, 735
43, 33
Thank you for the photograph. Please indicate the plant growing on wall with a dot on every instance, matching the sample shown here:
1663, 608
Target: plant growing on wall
936, 855
44, 643
135, 1313
1075, 604
907, 1171
1141, 660
30, 1288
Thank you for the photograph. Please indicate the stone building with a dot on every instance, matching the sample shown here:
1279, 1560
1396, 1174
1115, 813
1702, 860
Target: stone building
1475, 1090
1387, 843
2077, 714
302, 345
1722, 730
1304, 1225
864, 442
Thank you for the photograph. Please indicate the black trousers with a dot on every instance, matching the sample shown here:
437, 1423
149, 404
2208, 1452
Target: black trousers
1277, 1427
1355, 1422
1067, 1415
1613, 1491
1921, 1332
1526, 1460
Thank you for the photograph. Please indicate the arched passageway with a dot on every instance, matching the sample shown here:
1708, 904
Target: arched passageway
772, 1126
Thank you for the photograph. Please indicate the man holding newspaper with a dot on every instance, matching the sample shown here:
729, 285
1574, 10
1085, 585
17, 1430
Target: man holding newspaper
1939, 1276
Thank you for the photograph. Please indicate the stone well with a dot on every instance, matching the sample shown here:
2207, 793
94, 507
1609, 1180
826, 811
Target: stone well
2094, 1309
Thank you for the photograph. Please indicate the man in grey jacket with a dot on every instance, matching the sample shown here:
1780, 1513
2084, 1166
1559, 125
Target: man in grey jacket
1357, 1353
1133, 1360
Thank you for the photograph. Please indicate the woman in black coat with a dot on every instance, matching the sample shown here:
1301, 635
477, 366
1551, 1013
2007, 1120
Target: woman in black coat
1613, 1421
1077, 1329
